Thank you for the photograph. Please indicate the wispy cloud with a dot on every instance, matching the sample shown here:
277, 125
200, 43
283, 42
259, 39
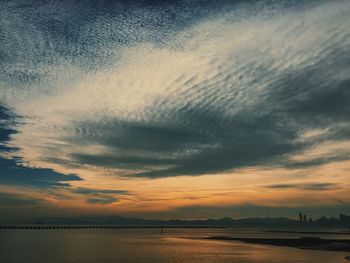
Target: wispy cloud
104, 200
8, 199
306, 186
83, 190
15, 174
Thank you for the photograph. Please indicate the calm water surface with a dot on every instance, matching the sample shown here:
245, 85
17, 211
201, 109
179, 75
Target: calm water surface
173, 246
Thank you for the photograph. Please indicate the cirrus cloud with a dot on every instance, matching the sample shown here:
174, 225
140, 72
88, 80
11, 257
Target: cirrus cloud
219, 93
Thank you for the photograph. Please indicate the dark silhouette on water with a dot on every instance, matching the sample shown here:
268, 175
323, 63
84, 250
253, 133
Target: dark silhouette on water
305, 219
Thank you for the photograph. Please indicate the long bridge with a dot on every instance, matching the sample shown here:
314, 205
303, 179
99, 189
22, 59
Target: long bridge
99, 227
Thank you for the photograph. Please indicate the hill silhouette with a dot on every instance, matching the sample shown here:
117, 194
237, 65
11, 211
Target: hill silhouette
343, 221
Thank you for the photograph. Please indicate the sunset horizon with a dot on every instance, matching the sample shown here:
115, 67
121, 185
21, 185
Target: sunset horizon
186, 109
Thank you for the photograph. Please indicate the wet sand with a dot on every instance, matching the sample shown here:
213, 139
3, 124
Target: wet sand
311, 232
313, 243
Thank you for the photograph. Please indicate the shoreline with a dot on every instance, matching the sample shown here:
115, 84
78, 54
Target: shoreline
312, 243
346, 232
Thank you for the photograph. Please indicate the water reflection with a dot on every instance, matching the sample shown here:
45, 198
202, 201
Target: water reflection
173, 246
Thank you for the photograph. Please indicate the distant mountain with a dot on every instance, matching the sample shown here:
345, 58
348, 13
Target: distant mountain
342, 221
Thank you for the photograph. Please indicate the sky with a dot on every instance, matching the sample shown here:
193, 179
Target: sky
185, 109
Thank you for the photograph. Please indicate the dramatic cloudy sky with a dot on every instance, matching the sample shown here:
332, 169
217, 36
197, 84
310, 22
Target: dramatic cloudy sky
174, 109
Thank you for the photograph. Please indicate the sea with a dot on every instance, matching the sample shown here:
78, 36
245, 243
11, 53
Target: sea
151, 245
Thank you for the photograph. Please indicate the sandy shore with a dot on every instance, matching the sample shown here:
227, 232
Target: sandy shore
303, 243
